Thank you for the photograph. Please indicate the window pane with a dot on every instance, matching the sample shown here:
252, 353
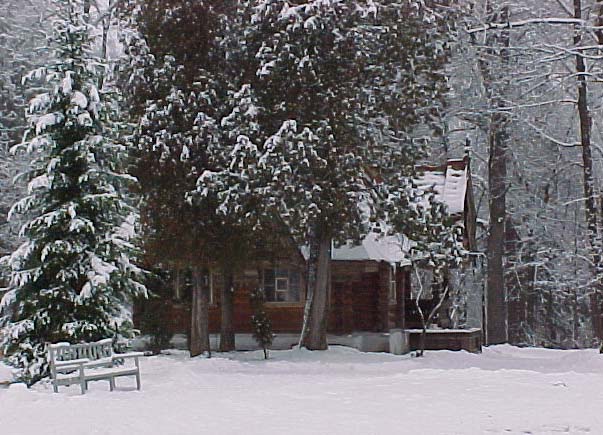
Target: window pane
282, 284
295, 278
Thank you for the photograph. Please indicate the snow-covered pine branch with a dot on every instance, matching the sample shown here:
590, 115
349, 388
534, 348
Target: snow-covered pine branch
76, 270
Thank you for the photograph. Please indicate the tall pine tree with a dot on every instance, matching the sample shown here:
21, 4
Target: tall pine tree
72, 275
340, 86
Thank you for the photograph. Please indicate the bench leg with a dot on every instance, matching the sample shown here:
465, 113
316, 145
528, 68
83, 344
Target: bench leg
83, 383
111, 384
137, 363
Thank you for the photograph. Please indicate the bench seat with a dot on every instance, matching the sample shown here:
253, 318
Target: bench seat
86, 362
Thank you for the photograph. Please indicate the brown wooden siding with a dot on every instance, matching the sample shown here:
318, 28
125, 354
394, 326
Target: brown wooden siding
359, 302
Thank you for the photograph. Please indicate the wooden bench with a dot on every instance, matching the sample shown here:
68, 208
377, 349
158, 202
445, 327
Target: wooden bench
81, 363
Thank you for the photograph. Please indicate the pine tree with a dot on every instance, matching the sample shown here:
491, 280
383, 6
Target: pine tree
193, 111
72, 275
174, 96
339, 87
262, 327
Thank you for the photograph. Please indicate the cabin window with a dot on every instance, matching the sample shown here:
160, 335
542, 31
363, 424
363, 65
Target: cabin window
183, 284
282, 285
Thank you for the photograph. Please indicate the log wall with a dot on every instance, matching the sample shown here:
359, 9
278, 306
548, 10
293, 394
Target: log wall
359, 302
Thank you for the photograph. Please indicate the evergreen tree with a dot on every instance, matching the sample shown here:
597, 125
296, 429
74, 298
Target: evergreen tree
262, 327
72, 275
174, 99
339, 86
192, 111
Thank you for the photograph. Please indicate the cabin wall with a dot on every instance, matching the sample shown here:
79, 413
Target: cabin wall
354, 297
174, 316
359, 301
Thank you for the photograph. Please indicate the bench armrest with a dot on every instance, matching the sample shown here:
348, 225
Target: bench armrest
127, 355
73, 362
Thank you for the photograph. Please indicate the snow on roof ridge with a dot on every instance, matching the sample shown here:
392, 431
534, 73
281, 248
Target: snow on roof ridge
449, 182
373, 247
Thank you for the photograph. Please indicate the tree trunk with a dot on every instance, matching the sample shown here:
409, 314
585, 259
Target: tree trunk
551, 333
587, 166
200, 316
496, 297
426, 321
227, 335
575, 320
496, 308
314, 331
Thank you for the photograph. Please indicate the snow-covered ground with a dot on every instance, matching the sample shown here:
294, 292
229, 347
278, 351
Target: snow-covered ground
342, 391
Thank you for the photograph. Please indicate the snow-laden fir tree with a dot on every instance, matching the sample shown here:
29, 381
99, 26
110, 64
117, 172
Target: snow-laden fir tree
173, 95
192, 110
73, 274
339, 84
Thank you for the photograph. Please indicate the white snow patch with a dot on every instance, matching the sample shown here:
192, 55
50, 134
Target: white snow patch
455, 189
79, 100
449, 186
340, 391
40, 182
374, 247
48, 120
67, 83
6, 374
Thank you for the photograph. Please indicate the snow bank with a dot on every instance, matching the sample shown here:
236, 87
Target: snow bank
5, 373
341, 391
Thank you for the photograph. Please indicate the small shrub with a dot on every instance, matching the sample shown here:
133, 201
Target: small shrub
262, 327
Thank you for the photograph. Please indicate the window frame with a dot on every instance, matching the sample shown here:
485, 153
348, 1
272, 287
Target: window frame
181, 292
275, 271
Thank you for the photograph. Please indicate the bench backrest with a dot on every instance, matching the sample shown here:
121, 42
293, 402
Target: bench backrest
92, 351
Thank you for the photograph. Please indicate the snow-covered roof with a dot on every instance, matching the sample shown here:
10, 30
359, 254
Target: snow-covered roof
374, 247
449, 183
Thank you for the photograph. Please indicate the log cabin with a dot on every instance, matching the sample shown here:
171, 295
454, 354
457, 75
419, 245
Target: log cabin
370, 283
